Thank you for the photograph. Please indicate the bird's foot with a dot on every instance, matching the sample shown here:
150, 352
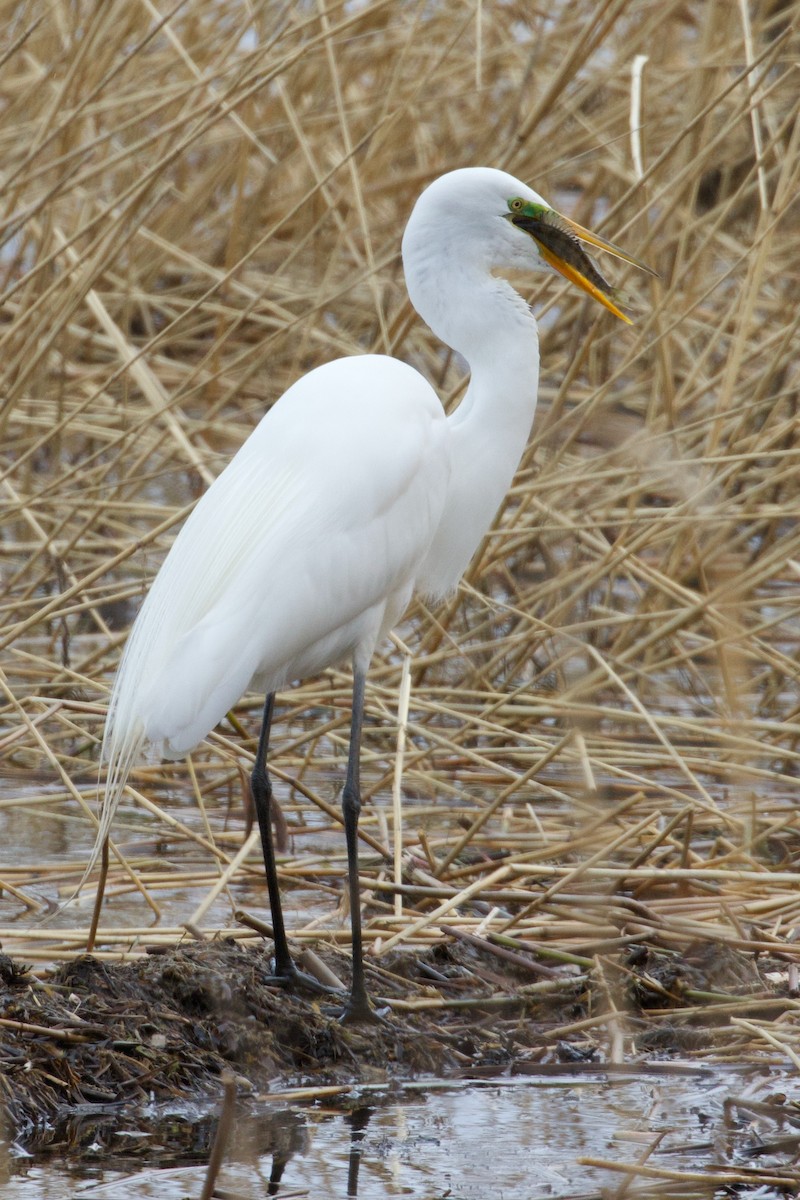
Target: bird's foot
356, 1015
290, 977
359, 1011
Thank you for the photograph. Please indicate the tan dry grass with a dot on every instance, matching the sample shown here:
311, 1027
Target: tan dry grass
200, 202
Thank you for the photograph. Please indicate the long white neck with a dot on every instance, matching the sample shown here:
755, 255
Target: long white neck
487, 322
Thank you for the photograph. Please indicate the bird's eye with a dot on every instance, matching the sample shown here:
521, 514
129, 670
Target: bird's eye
515, 205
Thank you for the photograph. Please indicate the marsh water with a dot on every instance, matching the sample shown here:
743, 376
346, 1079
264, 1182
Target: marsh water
516, 1139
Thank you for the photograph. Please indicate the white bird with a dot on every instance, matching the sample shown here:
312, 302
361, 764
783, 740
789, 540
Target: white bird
354, 491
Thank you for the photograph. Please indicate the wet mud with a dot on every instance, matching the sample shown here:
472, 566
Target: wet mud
94, 1041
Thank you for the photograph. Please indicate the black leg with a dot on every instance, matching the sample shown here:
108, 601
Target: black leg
262, 798
357, 1007
286, 972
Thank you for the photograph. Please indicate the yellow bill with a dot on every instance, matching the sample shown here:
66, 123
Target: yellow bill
594, 239
559, 242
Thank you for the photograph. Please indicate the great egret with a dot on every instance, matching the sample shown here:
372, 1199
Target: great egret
353, 491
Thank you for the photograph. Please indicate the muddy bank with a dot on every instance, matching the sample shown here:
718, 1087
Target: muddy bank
92, 1039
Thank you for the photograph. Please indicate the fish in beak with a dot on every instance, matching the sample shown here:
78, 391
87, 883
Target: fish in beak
559, 242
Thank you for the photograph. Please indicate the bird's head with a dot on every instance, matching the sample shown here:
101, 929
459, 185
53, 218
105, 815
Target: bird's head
494, 221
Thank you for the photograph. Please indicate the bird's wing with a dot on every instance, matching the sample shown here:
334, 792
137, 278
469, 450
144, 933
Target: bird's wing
325, 511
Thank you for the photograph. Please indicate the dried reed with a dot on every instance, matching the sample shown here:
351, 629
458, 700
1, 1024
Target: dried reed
202, 201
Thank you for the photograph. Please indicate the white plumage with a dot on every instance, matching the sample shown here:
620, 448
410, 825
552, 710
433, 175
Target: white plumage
291, 558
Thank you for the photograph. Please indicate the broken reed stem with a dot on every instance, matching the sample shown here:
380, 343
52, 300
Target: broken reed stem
712, 1176
227, 875
397, 783
221, 1137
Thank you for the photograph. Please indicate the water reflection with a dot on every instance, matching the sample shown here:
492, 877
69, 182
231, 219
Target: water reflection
519, 1139
358, 1120
288, 1135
